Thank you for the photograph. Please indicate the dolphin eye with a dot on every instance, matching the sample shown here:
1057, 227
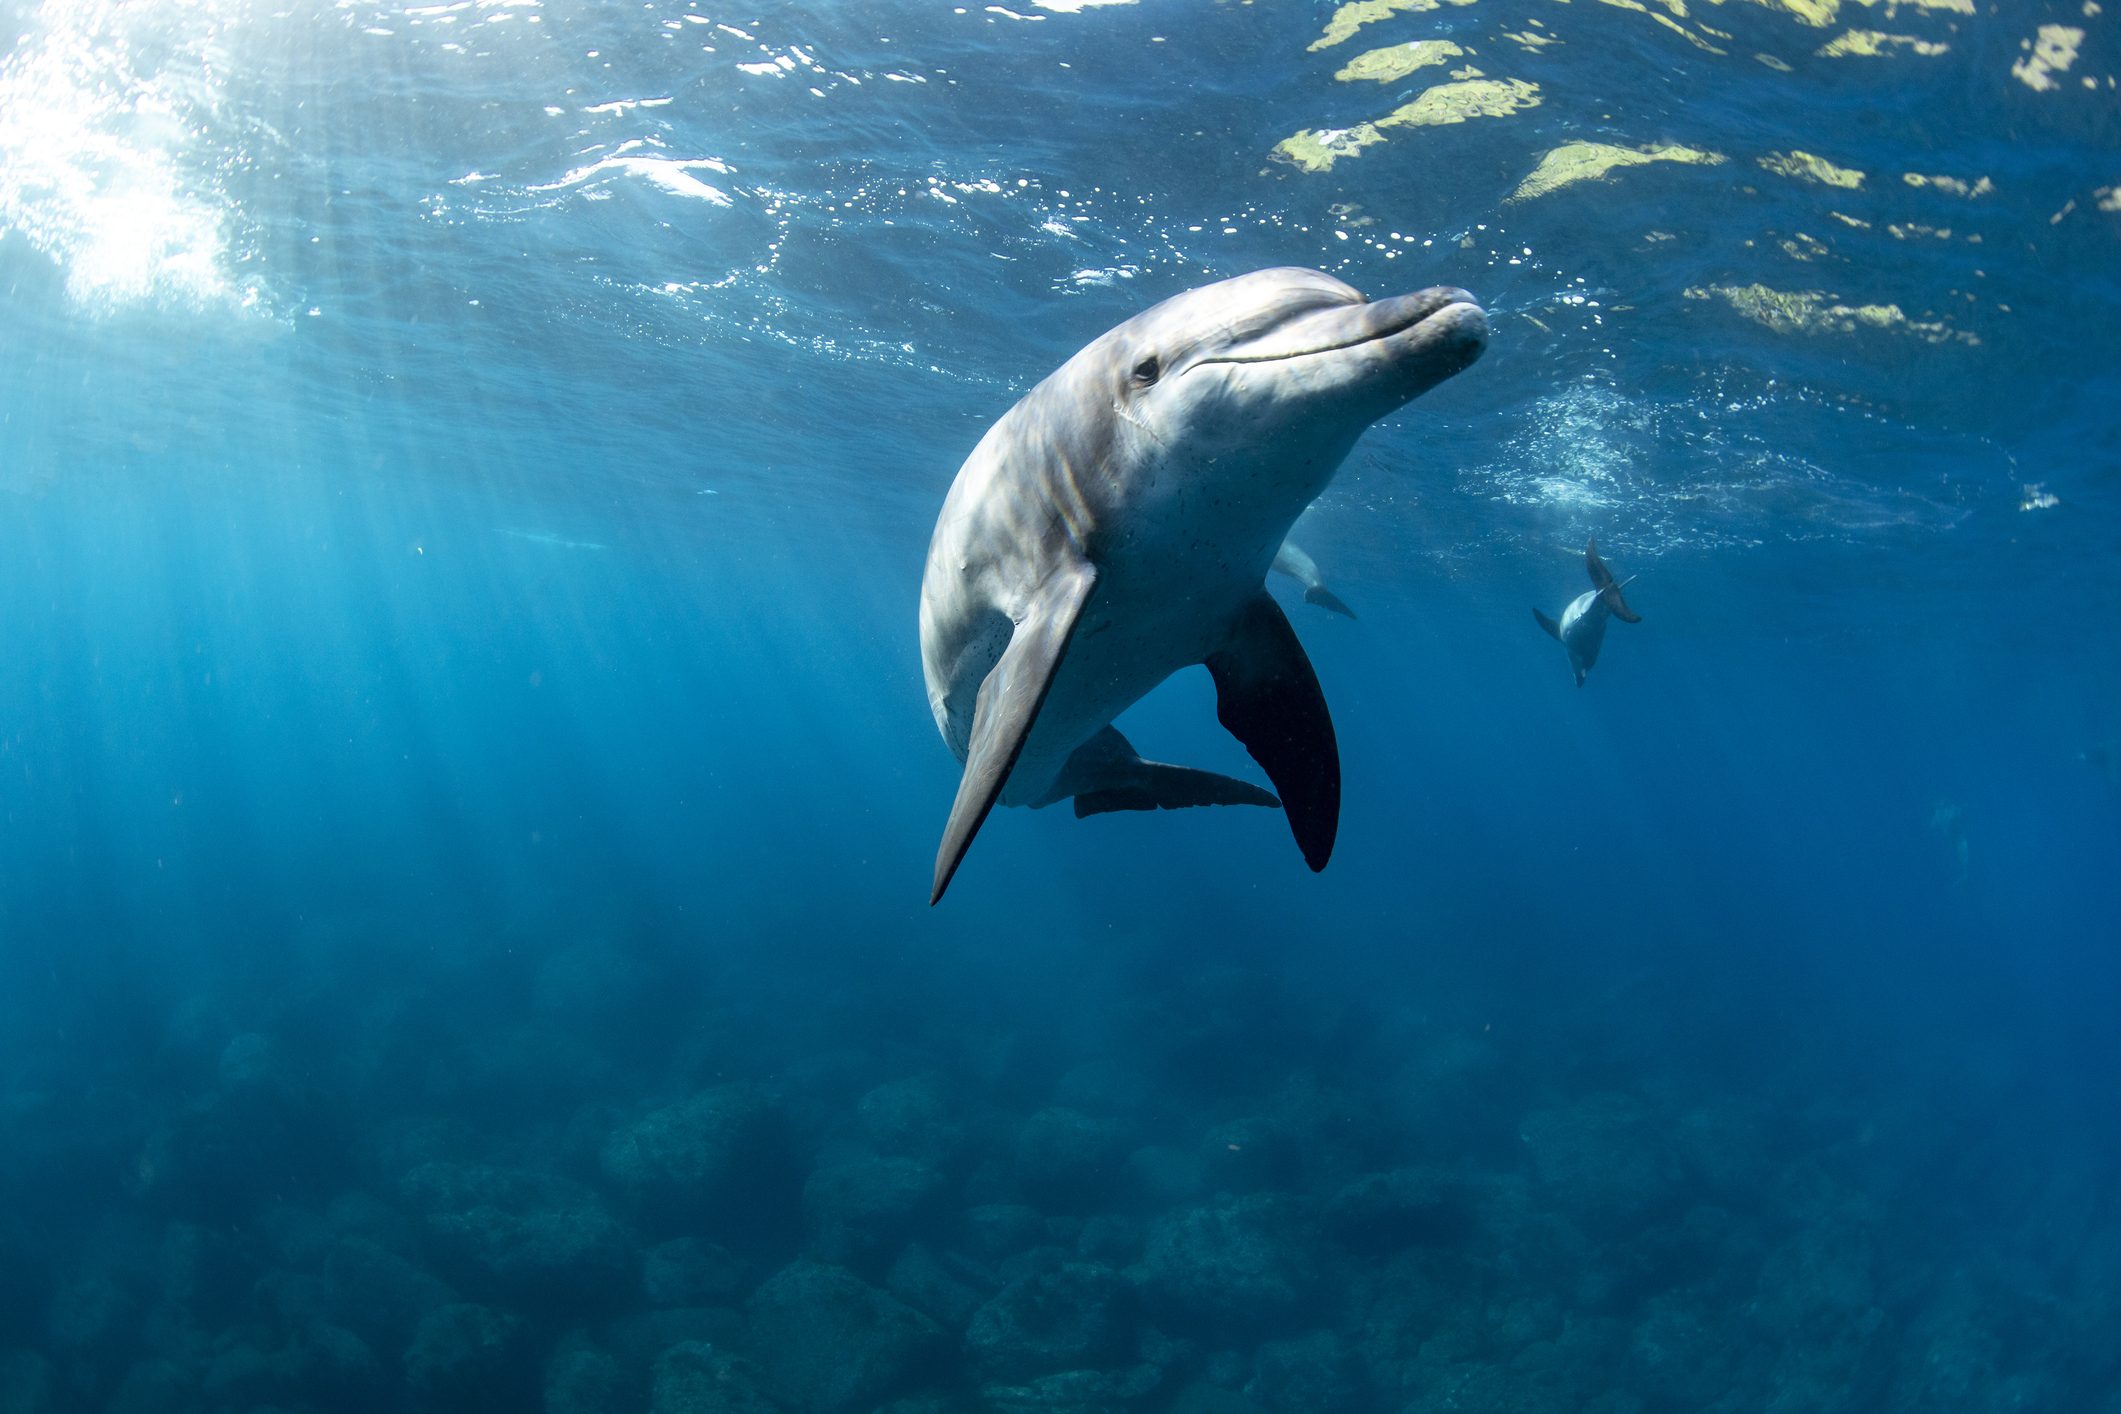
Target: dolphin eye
1147, 371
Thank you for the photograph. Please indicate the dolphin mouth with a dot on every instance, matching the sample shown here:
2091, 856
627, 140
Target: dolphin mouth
1444, 315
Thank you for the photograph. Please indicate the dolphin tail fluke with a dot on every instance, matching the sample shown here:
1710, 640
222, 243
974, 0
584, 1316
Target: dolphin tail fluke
1553, 629
1608, 590
1106, 773
1267, 696
1325, 598
1008, 705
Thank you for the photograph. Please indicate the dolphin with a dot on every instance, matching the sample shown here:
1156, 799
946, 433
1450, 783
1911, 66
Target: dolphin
1117, 525
1291, 560
1582, 626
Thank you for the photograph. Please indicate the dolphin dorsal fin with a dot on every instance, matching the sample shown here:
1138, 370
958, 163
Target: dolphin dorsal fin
1008, 705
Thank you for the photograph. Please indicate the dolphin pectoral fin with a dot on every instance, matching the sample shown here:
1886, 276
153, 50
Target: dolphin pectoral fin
1325, 598
1553, 629
1267, 696
1007, 707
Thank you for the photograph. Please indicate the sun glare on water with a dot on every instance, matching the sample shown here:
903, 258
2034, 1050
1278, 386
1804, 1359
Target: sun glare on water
100, 161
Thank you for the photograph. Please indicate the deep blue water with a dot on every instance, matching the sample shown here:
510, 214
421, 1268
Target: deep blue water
470, 799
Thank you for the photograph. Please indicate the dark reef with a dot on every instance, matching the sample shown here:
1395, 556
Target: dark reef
598, 1177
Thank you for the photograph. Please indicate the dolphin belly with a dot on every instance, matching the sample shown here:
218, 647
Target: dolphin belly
1125, 648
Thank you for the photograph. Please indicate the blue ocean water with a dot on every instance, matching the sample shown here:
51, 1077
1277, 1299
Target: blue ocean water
470, 798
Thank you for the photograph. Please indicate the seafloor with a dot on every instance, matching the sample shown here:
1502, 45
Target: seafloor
393, 1170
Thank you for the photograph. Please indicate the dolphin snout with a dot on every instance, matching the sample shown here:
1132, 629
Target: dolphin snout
1444, 316
1405, 311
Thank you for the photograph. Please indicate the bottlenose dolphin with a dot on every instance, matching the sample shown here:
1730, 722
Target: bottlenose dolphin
1582, 626
1293, 562
1116, 525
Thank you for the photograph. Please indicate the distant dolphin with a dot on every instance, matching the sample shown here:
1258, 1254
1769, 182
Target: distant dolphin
1293, 562
1582, 626
1117, 524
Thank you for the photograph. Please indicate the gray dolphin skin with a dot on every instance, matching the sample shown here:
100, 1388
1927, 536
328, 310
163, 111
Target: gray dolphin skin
1293, 562
1117, 525
1582, 626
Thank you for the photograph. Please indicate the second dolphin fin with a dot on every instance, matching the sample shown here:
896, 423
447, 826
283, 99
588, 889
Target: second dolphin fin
1325, 598
1267, 696
1007, 707
1608, 590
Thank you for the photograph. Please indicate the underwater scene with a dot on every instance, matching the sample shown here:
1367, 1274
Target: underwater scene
1502, 795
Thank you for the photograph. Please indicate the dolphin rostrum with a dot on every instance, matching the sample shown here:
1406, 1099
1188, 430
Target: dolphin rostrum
1293, 562
1117, 524
1582, 626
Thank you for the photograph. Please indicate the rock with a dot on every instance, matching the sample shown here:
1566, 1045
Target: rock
467, 1357
509, 1231
1112, 1238
1316, 1374
993, 1183
581, 1379
637, 1339
1681, 1354
358, 1214
1071, 1318
1074, 1392
1472, 1387
323, 1364
1430, 1310
91, 1319
832, 1344
716, 1163
862, 1211
923, 1283
909, 1119
687, 1271
380, 1294
694, 1377
201, 1271
295, 1299
1250, 1156
1238, 1264
1162, 1350
1606, 1165
997, 1230
1381, 1213
1817, 1307
226, 1151
241, 1375
1160, 1176
1069, 1161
